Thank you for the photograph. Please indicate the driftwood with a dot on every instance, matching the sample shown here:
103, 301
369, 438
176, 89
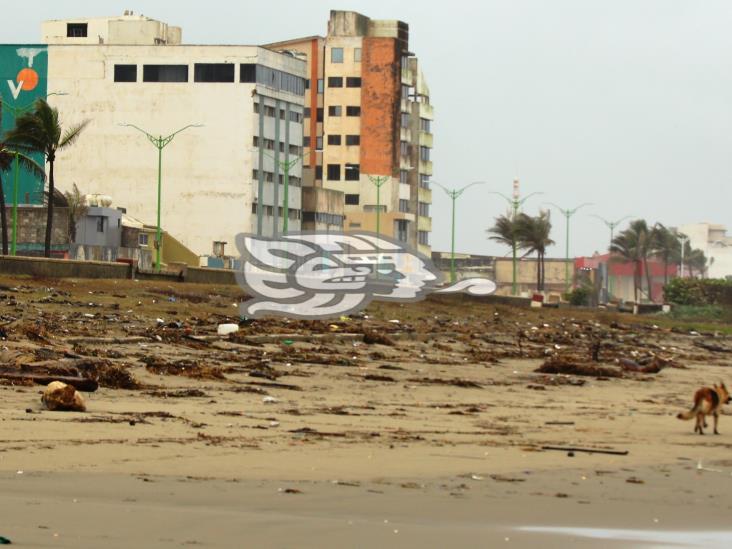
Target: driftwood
79, 383
588, 450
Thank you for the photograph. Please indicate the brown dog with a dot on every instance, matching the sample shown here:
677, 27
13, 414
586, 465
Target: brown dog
60, 396
707, 401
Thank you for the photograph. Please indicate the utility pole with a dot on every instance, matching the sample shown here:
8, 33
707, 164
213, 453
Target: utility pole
454, 194
567, 214
683, 239
17, 110
610, 225
515, 203
160, 143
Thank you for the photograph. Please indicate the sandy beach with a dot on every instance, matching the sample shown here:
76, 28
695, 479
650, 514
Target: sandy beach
418, 426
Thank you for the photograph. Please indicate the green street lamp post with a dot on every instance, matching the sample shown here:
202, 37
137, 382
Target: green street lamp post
15, 110
160, 143
286, 166
610, 225
515, 202
378, 181
454, 194
567, 214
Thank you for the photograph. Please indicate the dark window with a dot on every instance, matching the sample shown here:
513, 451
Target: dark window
319, 143
318, 172
295, 116
213, 72
425, 124
335, 82
352, 199
353, 140
100, 224
269, 111
353, 82
403, 205
248, 73
306, 141
424, 237
307, 84
125, 73
335, 110
319, 115
334, 140
320, 85
403, 148
76, 30
424, 209
306, 112
403, 176
352, 172
424, 181
424, 153
165, 73
353, 111
334, 172
256, 108
405, 120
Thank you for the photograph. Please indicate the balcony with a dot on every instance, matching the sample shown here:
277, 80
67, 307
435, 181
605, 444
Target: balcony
426, 111
425, 167
425, 139
407, 76
405, 134
424, 223
424, 195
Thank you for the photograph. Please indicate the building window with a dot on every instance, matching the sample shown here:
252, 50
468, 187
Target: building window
306, 141
403, 205
424, 237
294, 149
335, 82
334, 172
165, 73
295, 117
425, 124
256, 107
353, 82
424, 153
357, 55
125, 73
307, 83
353, 111
321, 87
76, 30
100, 224
353, 172
336, 55
424, 209
142, 239
306, 112
318, 173
405, 120
319, 115
319, 143
334, 140
404, 148
213, 72
352, 200
403, 176
248, 73
353, 140
424, 181
400, 226
335, 110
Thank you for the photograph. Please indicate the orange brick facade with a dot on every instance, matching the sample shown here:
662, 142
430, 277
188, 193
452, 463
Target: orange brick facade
380, 96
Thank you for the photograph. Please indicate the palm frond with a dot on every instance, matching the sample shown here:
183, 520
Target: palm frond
72, 134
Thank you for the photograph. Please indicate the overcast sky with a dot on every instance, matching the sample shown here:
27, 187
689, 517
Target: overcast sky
623, 103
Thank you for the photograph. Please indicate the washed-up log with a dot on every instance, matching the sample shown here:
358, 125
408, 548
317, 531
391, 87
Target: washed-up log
587, 450
79, 383
706, 345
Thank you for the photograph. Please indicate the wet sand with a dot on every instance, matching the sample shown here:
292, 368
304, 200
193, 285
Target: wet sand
305, 435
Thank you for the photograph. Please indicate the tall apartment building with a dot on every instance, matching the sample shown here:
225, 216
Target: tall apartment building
217, 180
367, 119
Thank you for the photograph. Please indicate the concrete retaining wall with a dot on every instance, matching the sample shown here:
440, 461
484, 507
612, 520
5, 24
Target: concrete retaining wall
62, 268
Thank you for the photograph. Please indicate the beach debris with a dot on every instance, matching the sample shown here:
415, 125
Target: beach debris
226, 329
634, 480
372, 337
269, 400
29, 378
63, 397
587, 450
5, 541
290, 491
559, 365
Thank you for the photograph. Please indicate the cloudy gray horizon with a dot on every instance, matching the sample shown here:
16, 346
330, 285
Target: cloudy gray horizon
621, 103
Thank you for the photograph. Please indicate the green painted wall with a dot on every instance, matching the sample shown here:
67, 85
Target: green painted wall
23, 79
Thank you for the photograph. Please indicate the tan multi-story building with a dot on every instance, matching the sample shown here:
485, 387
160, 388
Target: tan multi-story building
367, 127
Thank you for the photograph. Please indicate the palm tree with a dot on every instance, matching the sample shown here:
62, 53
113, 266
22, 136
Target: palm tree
7, 159
533, 236
77, 209
504, 231
40, 130
634, 245
695, 259
667, 245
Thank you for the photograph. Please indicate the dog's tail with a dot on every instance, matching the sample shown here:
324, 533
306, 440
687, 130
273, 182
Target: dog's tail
691, 413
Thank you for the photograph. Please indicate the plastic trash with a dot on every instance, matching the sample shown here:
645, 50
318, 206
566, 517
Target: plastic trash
226, 329
5, 541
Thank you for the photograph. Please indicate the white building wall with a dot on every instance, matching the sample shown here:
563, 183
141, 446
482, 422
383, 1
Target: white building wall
208, 187
716, 245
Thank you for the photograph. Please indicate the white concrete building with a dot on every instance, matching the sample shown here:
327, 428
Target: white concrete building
217, 180
712, 239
